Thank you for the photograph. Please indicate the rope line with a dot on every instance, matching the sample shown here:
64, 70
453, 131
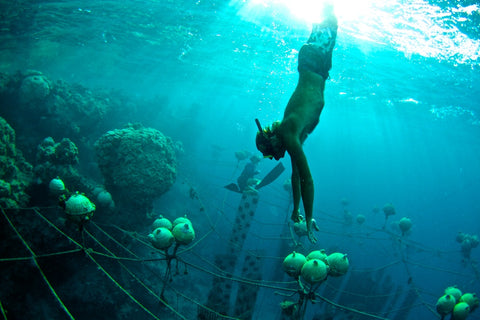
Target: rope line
437, 269
415, 289
56, 228
400, 244
339, 306
45, 255
115, 241
223, 316
4, 314
34, 259
259, 283
137, 279
129, 295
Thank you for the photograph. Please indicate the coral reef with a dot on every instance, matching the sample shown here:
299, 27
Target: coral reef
58, 159
138, 164
38, 106
63, 153
34, 87
15, 172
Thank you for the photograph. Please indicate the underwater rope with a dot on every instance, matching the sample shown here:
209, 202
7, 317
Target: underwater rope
406, 308
363, 295
132, 235
339, 306
91, 253
203, 306
81, 247
260, 283
100, 267
415, 289
222, 271
41, 255
378, 268
198, 241
3, 311
136, 278
37, 265
56, 228
115, 241
437, 269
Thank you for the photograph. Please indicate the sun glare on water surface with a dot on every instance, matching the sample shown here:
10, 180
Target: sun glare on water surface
309, 11
416, 27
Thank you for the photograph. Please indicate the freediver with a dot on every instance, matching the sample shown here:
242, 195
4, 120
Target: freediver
302, 114
249, 172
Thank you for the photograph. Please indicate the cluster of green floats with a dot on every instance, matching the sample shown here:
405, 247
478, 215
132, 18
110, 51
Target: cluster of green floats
310, 272
458, 305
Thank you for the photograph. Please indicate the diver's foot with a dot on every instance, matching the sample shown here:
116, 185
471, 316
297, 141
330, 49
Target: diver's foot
324, 33
321, 43
323, 36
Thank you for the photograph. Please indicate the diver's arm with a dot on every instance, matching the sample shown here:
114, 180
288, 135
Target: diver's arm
299, 161
295, 192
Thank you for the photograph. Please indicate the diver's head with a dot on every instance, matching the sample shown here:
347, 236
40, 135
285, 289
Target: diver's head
255, 159
268, 141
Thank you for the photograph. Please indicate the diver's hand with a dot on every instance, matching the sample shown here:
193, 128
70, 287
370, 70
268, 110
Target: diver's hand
310, 234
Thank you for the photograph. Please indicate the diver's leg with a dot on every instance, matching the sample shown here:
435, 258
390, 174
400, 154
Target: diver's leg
316, 54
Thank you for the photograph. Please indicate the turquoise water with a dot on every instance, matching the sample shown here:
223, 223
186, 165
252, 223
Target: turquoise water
401, 121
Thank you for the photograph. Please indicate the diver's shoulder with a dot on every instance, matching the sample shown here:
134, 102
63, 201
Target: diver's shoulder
291, 123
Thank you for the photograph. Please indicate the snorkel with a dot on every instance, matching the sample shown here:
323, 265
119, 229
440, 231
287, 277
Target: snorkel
262, 140
259, 126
